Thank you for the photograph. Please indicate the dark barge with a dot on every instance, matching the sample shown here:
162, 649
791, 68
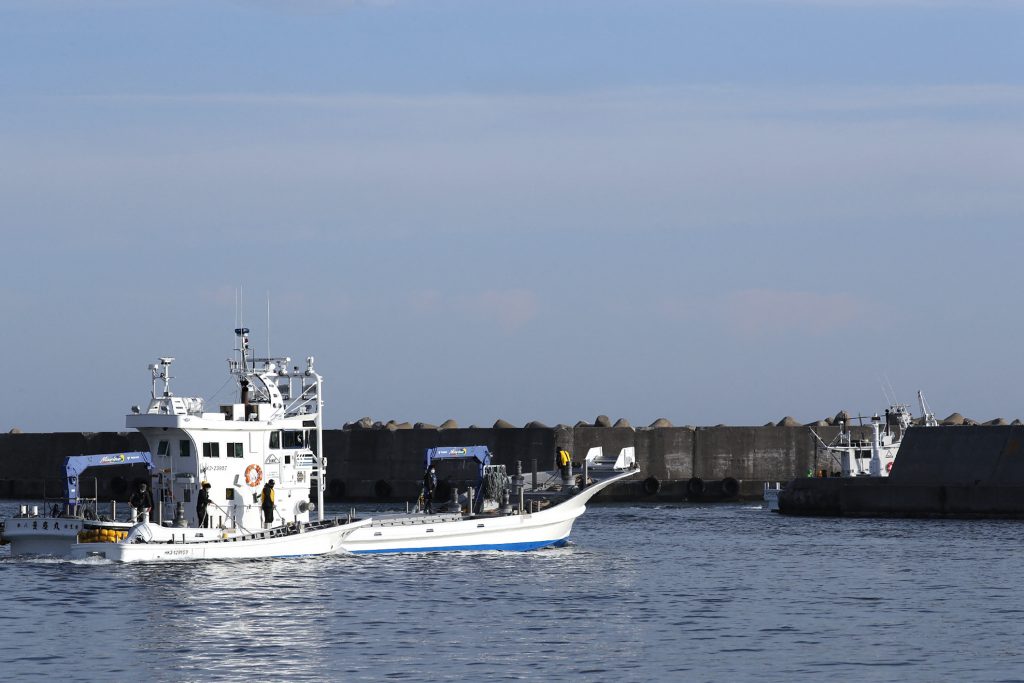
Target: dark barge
951, 472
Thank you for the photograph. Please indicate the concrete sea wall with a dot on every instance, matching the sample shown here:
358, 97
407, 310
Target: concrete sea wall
386, 463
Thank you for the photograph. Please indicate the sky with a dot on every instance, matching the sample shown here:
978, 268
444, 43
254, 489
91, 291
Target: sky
720, 212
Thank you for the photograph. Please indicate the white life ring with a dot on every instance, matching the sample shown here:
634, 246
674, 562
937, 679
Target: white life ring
253, 475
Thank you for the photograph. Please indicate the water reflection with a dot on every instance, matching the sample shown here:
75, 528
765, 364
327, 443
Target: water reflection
685, 592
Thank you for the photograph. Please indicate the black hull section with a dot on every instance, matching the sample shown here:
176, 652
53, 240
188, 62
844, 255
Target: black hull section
954, 472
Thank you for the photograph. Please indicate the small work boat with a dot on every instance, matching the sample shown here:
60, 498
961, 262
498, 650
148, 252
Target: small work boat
529, 523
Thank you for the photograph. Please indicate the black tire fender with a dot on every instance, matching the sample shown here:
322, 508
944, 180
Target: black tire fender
695, 487
651, 485
382, 489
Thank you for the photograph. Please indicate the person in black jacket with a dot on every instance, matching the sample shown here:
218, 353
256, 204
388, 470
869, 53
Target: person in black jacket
202, 500
267, 503
429, 486
141, 501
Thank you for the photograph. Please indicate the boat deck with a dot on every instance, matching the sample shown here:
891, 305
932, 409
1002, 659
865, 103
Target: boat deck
409, 519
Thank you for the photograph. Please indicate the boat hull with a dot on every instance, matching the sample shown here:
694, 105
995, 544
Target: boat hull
511, 532
51, 536
418, 534
255, 546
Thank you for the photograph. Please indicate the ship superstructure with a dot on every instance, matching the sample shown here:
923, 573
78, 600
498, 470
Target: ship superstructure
273, 432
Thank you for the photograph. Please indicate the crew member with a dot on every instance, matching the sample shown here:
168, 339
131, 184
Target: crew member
429, 486
267, 503
141, 501
564, 463
202, 500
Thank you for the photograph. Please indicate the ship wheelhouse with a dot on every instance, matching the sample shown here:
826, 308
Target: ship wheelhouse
272, 433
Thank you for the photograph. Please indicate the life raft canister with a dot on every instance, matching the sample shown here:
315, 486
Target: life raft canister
253, 475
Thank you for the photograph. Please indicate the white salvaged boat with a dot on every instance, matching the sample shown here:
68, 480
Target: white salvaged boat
272, 436
69, 519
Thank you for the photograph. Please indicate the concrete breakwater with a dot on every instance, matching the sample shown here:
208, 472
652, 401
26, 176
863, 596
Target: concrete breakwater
381, 463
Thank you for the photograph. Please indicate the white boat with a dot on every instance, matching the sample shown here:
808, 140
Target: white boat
521, 530
274, 432
771, 496
847, 456
71, 518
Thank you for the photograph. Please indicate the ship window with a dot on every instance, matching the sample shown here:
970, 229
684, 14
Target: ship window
184, 448
211, 450
188, 496
275, 439
293, 439
234, 450
287, 460
229, 494
162, 448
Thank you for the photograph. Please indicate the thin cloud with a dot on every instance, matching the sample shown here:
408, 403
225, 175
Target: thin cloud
767, 312
507, 309
696, 100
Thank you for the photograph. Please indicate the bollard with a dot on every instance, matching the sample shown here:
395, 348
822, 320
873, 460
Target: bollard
567, 482
179, 516
517, 483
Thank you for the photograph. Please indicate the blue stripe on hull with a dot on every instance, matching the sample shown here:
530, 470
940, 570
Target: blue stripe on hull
532, 545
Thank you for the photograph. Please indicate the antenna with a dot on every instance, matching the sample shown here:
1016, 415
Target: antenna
268, 324
241, 318
238, 323
887, 390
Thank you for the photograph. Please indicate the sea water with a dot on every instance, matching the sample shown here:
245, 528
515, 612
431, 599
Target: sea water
643, 593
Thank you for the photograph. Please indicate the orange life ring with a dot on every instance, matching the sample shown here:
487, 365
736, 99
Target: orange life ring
888, 467
253, 475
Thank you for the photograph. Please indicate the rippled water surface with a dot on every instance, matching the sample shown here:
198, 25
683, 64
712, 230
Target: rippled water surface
643, 593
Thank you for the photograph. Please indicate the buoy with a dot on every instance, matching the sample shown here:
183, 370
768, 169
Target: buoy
695, 487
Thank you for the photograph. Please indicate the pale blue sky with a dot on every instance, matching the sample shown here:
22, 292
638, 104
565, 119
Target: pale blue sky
714, 212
